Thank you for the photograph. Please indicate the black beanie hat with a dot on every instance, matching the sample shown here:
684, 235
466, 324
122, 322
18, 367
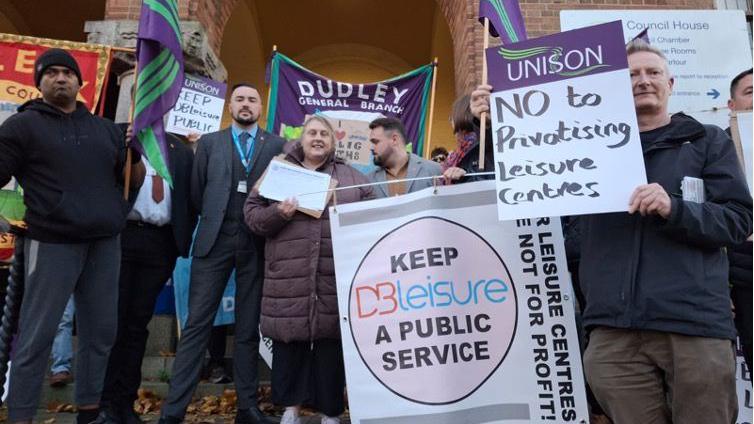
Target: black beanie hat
55, 57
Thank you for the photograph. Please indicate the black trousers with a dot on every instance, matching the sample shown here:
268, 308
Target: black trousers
310, 375
148, 259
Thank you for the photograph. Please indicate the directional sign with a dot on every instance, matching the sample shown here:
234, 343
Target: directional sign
705, 50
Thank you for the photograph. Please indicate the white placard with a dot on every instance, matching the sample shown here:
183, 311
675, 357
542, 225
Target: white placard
565, 136
199, 108
283, 180
705, 50
450, 316
581, 175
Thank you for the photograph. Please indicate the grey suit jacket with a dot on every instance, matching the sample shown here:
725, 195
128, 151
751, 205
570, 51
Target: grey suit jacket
417, 167
211, 179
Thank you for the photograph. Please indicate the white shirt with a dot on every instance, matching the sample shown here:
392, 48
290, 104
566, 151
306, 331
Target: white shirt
145, 209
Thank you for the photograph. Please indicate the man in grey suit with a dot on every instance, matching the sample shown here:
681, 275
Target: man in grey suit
394, 163
226, 166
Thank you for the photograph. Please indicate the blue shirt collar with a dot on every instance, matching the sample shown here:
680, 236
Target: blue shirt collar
252, 132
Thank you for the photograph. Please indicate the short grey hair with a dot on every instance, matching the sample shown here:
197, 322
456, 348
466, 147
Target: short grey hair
638, 45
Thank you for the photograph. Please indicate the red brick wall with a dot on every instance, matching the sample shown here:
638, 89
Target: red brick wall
212, 14
541, 16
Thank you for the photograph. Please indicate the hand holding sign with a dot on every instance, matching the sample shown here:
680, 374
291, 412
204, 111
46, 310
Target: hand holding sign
649, 199
480, 100
288, 207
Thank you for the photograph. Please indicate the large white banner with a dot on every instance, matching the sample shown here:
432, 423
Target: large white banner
449, 315
705, 50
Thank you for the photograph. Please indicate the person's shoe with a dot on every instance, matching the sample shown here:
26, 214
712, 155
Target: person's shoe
330, 420
167, 419
60, 379
251, 416
219, 376
106, 416
129, 416
290, 416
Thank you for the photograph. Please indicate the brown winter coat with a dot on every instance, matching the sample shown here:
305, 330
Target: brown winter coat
299, 301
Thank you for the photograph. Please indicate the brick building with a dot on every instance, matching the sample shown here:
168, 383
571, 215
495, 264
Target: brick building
354, 40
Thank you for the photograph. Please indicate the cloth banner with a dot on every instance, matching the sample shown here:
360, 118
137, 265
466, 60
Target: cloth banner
449, 315
12, 208
296, 92
564, 125
181, 284
17, 56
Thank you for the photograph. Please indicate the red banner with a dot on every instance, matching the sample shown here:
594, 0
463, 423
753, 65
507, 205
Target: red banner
17, 56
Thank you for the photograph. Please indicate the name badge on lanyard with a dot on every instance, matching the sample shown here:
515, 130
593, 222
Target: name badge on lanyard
245, 156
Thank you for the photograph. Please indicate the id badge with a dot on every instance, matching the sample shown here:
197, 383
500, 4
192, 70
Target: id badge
242, 187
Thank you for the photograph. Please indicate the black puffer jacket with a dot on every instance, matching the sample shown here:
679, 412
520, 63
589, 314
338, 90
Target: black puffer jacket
670, 275
69, 166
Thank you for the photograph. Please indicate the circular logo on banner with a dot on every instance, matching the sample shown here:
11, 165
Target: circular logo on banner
432, 310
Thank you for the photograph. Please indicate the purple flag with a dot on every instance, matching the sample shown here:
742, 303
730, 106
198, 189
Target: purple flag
505, 18
159, 79
297, 92
644, 36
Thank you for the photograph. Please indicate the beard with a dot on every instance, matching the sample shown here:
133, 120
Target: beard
251, 120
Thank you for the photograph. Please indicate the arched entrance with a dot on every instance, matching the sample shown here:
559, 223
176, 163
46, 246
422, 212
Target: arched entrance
346, 41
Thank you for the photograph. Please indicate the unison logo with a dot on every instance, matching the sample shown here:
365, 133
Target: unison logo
540, 61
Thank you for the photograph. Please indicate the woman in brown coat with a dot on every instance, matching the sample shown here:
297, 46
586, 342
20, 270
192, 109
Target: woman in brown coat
299, 302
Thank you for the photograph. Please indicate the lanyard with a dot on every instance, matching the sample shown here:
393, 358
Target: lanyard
245, 158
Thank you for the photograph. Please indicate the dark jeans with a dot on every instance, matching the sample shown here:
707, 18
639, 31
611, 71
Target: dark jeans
149, 256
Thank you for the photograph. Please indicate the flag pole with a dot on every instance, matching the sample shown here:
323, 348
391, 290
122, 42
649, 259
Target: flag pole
431, 109
483, 117
105, 83
127, 183
269, 89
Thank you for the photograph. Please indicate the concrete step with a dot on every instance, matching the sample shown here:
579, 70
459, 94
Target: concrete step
66, 394
68, 418
159, 368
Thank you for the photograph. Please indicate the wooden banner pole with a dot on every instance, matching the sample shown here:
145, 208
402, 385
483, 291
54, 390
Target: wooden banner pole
431, 110
483, 117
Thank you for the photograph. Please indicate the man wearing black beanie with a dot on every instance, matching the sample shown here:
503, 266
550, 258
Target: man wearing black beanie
70, 164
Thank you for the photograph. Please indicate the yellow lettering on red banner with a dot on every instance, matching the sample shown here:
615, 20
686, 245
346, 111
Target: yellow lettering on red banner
25, 61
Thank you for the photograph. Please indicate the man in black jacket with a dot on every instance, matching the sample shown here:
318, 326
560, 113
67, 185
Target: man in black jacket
656, 279
159, 229
70, 164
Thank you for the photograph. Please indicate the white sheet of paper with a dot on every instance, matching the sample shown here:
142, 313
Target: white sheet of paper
284, 180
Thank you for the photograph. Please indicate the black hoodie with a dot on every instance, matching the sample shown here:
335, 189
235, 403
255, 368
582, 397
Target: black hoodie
69, 166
